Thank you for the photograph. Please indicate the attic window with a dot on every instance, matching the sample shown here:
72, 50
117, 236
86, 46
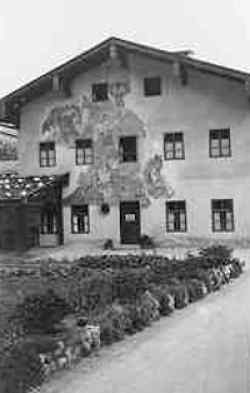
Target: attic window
99, 92
152, 86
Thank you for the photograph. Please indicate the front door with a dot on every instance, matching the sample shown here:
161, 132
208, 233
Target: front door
130, 222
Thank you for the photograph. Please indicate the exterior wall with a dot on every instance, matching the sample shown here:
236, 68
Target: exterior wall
206, 102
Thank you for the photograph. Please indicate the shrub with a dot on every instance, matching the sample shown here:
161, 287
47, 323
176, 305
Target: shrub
163, 295
21, 369
179, 292
40, 313
215, 256
196, 289
236, 268
146, 241
143, 312
90, 290
108, 244
129, 283
114, 322
216, 278
203, 275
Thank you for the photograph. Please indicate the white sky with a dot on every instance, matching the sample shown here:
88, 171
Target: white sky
37, 35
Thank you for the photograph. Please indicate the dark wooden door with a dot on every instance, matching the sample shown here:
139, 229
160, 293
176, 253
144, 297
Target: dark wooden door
130, 222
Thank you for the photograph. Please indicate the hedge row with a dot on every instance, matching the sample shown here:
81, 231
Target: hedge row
118, 301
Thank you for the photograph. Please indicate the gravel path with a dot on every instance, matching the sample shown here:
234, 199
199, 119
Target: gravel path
201, 349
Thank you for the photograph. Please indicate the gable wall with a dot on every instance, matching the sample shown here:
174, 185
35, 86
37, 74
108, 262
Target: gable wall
206, 102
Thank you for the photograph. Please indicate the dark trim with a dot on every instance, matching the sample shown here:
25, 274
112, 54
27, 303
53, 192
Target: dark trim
174, 142
122, 161
137, 202
72, 226
149, 92
212, 217
167, 222
220, 147
60, 215
48, 165
77, 148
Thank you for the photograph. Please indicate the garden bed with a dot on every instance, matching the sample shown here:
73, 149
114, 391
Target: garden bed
61, 313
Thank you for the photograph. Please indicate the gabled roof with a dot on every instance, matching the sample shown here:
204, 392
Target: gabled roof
99, 53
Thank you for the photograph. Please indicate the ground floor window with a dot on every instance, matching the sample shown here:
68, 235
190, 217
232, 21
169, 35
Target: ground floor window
80, 219
222, 215
48, 220
176, 216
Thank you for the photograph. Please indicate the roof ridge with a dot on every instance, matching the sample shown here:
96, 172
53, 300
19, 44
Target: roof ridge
132, 46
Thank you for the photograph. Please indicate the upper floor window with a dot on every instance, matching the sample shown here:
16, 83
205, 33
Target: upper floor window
84, 152
128, 149
80, 219
219, 143
47, 154
176, 219
152, 86
174, 146
99, 92
222, 215
48, 220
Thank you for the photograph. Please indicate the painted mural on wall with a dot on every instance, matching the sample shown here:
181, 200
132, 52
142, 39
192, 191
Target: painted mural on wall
8, 147
107, 179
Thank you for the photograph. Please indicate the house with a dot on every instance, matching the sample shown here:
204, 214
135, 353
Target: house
125, 140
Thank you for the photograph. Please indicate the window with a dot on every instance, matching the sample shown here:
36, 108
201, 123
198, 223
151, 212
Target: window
99, 92
219, 143
48, 220
127, 149
176, 216
80, 219
222, 215
84, 152
152, 86
174, 146
47, 154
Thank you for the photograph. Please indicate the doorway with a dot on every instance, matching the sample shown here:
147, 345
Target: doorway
130, 222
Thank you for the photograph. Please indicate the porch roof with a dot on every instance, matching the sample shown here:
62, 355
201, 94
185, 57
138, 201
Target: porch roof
14, 187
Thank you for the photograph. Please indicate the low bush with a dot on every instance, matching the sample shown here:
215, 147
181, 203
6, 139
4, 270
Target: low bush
203, 275
166, 300
142, 313
215, 256
146, 242
108, 244
114, 322
236, 268
21, 369
39, 313
196, 289
129, 283
179, 292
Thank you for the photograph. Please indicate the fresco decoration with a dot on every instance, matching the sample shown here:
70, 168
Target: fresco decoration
118, 91
156, 185
106, 180
8, 148
62, 124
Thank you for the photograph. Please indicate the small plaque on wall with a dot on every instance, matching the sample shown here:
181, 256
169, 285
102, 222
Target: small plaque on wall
129, 217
